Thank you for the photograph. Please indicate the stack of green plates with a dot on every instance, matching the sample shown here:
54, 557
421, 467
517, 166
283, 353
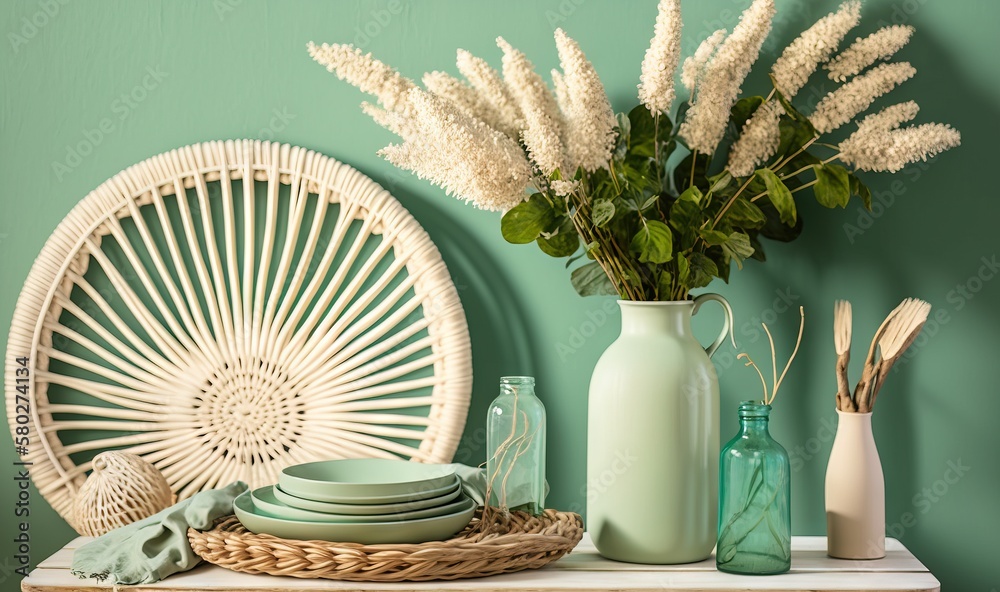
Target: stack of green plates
367, 501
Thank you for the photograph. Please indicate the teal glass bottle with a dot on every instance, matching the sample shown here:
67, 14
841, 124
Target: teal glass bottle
755, 525
515, 442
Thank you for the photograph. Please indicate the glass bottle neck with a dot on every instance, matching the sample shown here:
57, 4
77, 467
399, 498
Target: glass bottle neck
753, 426
753, 418
521, 386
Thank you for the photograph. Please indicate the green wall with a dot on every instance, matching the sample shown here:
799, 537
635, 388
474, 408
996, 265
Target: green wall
127, 80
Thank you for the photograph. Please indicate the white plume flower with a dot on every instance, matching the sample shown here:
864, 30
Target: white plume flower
889, 118
880, 45
463, 96
813, 47
364, 72
891, 151
394, 121
840, 106
541, 134
656, 83
563, 188
462, 154
491, 87
590, 122
562, 95
694, 65
709, 113
758, 140
562, 102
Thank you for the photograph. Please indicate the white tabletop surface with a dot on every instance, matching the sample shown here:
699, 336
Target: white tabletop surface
583, 569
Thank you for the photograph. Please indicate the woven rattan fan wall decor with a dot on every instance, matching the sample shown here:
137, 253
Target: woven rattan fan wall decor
229, 308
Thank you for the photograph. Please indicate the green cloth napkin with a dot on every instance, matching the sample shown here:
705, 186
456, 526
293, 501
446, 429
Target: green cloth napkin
473, 481
149, 550
474, 486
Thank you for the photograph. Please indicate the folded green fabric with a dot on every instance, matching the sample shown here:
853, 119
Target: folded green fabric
473, 481
152, 549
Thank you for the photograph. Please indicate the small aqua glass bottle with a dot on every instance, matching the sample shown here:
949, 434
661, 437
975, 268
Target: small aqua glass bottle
755, 525
515, 442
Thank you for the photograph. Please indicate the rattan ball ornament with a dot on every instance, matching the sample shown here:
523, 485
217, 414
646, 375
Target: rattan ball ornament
122, 489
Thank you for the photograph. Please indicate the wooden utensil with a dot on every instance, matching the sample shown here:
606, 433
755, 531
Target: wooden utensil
897, 332
842, 320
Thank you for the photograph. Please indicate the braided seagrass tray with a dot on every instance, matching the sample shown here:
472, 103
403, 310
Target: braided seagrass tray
517, 542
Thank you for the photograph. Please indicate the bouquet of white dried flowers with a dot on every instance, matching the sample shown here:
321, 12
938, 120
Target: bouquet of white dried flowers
653, 222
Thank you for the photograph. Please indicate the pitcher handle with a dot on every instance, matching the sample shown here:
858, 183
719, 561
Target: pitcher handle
727, 324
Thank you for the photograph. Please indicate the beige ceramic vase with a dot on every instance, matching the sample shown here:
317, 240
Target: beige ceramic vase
855, 491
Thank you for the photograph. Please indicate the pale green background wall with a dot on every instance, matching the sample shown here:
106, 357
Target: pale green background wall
238, 68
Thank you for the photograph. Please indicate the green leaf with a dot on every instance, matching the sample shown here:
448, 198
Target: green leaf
624, 126
649, 202
738, 247
743, 110
861, 190
590, 280
793, 134
639, 175
774, 228
602, 213
719, 182
683, 269
562, 243
702, 270
758, 248
685, 214
682, 172
745, 214
664, 282
666, 149
692, 194
573, 259
624, 131
779, 195
645, 133
685, 219
680, 117
721, 259
632, 277
713, 237
795, 114
654, 242
525, 221
833, 185
642, 139
799, 163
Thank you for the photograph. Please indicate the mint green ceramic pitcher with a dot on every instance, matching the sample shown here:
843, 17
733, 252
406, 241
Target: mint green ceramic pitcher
653, 437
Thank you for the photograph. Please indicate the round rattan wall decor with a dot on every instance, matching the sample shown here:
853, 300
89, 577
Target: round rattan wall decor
229, 308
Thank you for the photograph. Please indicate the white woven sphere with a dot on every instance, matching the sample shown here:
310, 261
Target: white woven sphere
122, 489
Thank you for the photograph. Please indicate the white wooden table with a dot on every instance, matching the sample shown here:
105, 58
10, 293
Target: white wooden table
583, 569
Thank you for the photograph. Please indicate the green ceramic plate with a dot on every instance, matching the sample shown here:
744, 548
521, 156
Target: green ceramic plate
365, 480
265, 501
437, 528
449, 495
